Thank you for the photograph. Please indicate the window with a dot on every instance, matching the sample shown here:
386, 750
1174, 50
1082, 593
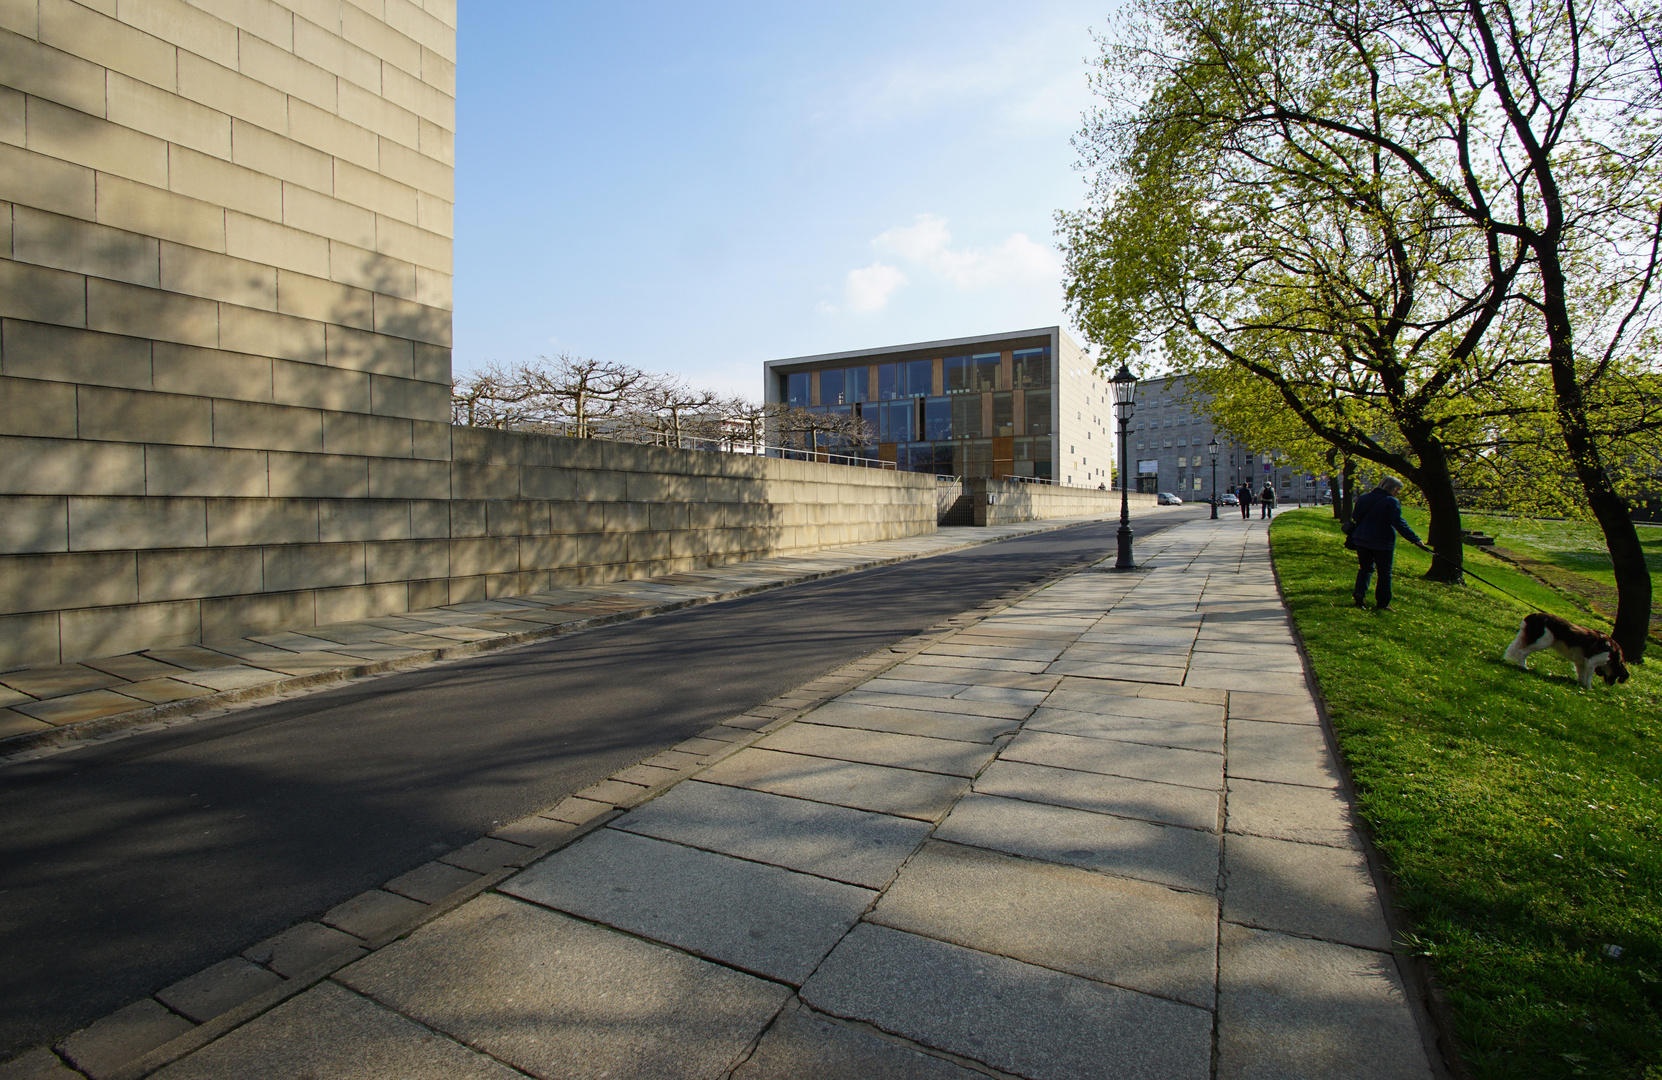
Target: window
937, 418
1030, 369
970, 374
855, 384
796, 388
911, 378
896, 419
831, 387
1004, 422
1038, 412
966, 416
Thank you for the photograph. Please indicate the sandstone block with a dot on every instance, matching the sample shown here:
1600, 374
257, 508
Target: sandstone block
356, 433
33, 524
404, 318
277, 245
140, 208
331, 52
236, 616
328, 216
220, 86
63, 354
215, 179
113, 524
47, 73
319, 476
34, 407
364, 602
102, 40
185, 26
190, 470
143, 107
364, 519
181, 575
312, 386
420, 170
38, 180
355, 350
415, 96
380, 274
262, 521
258, 426
68, 243
484, 555
184, 369
266, 152
109, 631
313, 566
69, 466
142, 416
217, 277
376, 37
390, 478
268, 333
407, 561
116, 307
376, 193
330, 133
324, 301
76, 579
276, 66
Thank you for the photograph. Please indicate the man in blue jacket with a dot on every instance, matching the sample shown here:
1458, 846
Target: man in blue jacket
1378, 519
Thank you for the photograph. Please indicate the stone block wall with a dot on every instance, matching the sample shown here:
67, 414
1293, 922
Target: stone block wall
87, 575
1006, 502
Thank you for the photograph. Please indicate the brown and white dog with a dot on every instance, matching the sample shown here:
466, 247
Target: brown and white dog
1590, 651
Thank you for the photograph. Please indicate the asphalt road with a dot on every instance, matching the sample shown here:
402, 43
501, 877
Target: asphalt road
128, 866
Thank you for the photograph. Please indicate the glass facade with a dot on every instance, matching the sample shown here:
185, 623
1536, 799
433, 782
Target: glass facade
972, 416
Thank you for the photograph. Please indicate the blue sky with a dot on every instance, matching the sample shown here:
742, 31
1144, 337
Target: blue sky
697, 190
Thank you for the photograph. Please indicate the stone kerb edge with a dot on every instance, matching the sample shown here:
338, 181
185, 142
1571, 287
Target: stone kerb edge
1426, 998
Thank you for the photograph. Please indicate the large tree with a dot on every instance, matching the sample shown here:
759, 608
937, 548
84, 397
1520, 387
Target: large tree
1407, 200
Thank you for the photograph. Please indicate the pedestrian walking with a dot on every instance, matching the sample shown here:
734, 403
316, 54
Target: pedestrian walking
1373, 534
1266, 501
1244, 494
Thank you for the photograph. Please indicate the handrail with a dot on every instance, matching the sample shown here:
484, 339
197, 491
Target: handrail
1052, 483
797, 453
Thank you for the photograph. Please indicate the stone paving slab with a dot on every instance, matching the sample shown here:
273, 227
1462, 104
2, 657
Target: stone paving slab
1014, 1016
935, 725
563, 999
1294, 708
301, 947
1167, 854
960, 706
1148, 673
1170, 804
852, 846
331, 1032
1161, 764
1305, 889
947, 756
1137, 729
1114, 930
802, 1044
904, 792
1292, 1007
774, 922
1291, 812
1282, 753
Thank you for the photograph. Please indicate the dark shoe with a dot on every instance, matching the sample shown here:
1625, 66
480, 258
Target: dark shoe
1357, 600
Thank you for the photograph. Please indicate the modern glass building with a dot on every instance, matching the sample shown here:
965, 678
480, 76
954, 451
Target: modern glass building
1025, 404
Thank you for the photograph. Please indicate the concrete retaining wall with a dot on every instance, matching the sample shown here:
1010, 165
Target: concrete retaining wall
173, 555
1005, 502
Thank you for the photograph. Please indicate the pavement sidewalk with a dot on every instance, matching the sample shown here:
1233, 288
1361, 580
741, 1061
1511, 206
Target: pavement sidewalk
1094, 832
44, 710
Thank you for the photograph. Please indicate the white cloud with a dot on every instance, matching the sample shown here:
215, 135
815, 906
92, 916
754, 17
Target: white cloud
868, 288
928, 242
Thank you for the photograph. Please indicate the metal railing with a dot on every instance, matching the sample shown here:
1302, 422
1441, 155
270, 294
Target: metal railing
1052, 483
797, 453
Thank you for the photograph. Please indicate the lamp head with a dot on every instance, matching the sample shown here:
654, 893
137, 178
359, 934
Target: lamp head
1125, 392
1212, 448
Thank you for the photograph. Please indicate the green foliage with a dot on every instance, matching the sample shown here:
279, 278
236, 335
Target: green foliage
1520, 815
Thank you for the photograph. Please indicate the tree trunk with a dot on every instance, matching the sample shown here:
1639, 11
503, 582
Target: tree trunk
1443, 534
1349, 491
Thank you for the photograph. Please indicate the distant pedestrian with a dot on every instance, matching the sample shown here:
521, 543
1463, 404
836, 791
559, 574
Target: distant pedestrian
1373, 533
1244, 494
1266, 502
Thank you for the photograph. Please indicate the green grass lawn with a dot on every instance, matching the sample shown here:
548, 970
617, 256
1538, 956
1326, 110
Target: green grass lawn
1577, 546
1520, 814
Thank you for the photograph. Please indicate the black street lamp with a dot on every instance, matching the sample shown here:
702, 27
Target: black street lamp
1125, 404
1212, 449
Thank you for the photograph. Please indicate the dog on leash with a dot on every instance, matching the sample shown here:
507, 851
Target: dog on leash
1590, 651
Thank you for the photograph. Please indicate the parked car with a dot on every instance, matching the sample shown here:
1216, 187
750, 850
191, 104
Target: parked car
1324, 499
1166, 498
1228, 499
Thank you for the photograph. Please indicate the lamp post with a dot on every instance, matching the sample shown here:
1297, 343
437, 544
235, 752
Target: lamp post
1212, 450
1125, 404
